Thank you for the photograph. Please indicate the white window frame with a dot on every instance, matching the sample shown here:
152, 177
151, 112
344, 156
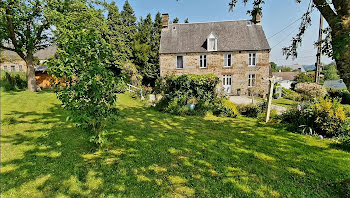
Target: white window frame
183, 62
212, 42
251, 80
252, 59
226, 60
203, 61
20, 67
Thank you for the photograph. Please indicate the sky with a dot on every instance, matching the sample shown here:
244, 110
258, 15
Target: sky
277, 14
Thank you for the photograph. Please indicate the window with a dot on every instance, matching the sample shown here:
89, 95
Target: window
20, 67
252, 59
179, 62
212, 44
5, 67
203, 61
13, 68
228, 60
251, 80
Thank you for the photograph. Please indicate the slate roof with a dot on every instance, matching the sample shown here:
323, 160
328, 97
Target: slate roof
232, 36
334, 84
286, 75
41, 68
41, 54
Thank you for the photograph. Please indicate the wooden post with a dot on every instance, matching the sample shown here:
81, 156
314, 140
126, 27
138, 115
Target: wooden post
272, 80
319, 52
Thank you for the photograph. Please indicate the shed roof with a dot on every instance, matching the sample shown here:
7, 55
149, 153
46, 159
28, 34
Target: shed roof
231, 35
334, 84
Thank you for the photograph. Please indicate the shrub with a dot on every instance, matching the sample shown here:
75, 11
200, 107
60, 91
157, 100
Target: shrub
179, 91
291, 95
311, 90
325, 117
343, 94
13, 82
225, 109
252, 110
344, 133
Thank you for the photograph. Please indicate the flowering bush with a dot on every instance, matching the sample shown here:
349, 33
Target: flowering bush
323, 117
311, 90
180, 91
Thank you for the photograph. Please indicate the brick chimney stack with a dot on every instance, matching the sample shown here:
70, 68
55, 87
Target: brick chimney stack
257, 19
165, 18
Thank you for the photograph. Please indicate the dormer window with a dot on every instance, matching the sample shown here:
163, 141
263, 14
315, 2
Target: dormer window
212, 42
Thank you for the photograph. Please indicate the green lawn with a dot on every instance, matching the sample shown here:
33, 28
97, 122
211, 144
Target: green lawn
283, 102
152, 154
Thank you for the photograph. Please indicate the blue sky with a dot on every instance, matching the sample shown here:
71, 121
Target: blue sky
277, 15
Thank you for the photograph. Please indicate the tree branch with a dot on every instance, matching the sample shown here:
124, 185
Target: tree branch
12, 35
326, 11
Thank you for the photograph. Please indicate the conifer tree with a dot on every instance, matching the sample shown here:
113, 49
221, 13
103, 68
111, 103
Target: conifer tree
129, 28
116, 37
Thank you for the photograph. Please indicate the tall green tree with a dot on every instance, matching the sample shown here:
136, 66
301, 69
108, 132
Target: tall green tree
273, 67
330, 72
83, 60
142, 44
116, 37
25, 28
337, 43
153, 69
129, 28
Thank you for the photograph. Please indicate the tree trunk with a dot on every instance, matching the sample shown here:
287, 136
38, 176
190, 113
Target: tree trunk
31, 72
341, 47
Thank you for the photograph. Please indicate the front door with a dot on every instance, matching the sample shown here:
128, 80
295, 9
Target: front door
227, 83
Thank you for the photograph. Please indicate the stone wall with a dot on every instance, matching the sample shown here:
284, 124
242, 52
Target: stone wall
16, 63
215, 65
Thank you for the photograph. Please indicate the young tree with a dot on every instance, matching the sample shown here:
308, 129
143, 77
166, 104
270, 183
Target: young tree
176, 20
129, 28
337, 15
273, 67
83, 60
330, 72
25, 29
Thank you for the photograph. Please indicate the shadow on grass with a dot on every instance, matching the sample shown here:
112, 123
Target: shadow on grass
152, 154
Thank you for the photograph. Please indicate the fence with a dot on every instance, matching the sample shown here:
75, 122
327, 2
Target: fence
132, 88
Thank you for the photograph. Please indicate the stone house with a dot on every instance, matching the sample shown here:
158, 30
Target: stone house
235, 51
14, 63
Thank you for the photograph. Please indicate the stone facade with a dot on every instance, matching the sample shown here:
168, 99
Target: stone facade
14, 66
239, 70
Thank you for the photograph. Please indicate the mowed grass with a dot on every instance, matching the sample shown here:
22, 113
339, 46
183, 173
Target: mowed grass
153, 154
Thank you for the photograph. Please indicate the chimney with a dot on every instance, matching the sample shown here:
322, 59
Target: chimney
257, 19
165, 18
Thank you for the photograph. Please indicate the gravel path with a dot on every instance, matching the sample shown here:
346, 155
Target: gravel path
246, 100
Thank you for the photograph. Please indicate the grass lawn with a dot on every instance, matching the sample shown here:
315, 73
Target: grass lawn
152, 154
283, 102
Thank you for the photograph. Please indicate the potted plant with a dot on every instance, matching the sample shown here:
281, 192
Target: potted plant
191, 103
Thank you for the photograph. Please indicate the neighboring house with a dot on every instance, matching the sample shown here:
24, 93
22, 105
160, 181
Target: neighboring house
13, 63
235, 51
287, 78
335, 84
298, 67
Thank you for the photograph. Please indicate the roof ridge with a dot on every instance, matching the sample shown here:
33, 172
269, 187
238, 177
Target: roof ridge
209, 22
